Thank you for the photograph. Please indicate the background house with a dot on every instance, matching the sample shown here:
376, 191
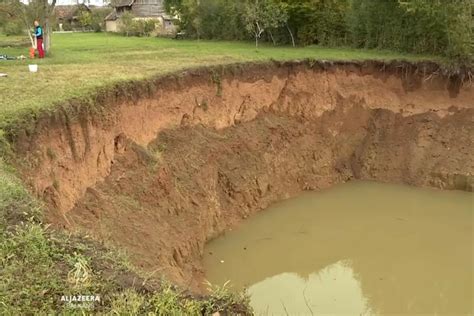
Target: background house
80, 17
67, 16
141, 9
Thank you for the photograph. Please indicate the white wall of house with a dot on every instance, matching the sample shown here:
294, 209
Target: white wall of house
111, 26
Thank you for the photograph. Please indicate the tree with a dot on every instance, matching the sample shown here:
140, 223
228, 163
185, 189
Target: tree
174, 7
85, 18
187, 13
449, 24
260, 15
44, 12
15, 9
97, 18
418, 26
276, 16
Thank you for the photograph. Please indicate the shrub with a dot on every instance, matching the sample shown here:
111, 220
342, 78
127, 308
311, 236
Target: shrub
67, 27
97, 19
132, 27
126, 23
13, 27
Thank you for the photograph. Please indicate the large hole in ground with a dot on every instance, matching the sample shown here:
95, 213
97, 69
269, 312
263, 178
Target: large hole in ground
184, 173
204, 181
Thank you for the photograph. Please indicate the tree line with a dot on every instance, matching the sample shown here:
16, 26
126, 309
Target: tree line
441, 27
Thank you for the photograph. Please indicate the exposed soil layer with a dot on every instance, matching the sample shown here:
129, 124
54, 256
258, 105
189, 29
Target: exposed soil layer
162, 174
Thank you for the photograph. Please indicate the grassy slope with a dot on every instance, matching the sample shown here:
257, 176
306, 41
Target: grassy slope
83, 62
37, 264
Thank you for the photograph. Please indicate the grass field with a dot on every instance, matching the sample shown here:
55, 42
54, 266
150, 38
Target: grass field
82, 62
13, 41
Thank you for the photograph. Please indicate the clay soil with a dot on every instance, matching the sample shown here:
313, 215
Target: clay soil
162, 174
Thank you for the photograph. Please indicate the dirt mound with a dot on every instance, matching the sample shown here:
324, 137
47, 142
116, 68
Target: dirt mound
162, 174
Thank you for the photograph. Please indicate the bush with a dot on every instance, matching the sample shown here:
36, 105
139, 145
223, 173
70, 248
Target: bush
325, 24
212, 19
13, 27
67, 27
97, 18
422, 26
126, 23
131, 27
85, 19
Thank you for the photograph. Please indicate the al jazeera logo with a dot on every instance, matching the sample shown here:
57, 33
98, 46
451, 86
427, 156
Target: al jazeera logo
80, 277
80, 301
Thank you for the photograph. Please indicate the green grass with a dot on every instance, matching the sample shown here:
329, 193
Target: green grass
13, 41
38, 265
82, 62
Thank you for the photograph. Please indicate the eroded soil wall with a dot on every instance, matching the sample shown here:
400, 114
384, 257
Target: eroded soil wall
162, 174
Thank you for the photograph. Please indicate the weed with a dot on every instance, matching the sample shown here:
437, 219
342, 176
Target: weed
222, 298
81, 274
51, 154
157, 150
56, 184
204, 105
128, 202
167, 302
16, 205
216, 79
128, 302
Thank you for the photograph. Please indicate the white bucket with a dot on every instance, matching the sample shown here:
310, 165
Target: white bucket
33, 68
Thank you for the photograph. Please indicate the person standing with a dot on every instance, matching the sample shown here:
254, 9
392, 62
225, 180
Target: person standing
39, 39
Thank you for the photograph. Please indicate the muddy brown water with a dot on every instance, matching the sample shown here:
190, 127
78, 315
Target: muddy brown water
358, 248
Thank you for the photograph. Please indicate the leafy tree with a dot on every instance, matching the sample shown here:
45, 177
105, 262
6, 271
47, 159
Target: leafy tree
175, 7
447, 24
277, 16
420, 26
221, 19
210, 19
85, 18
261, 15
186, 11
98, 17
